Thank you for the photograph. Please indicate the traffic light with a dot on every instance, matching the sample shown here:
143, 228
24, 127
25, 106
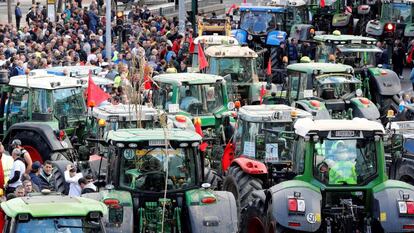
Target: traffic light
119, 18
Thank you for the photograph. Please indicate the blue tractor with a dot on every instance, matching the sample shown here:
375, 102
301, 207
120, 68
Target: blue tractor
263, 28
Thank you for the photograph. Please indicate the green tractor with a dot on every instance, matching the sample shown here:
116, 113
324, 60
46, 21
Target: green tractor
53, 213
238, 66
381, 86
395, 22
340, 184
155, 184
43, 112
328, 91
259, 154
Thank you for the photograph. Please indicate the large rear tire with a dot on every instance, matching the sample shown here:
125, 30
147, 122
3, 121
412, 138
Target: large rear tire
241, 185
35, 142
211, 176
253, 217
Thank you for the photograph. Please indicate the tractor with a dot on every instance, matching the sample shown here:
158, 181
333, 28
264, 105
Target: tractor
381, 86
263, 28
44, 212
339, 184
214, 26
395, 22
261, 143
155, 184
237, 65
328, 91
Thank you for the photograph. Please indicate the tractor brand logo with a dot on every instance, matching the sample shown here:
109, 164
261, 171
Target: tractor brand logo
311, 217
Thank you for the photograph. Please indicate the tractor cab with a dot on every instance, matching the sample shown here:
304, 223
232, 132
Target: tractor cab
238, 66
214, 26
53, 213
156, 178
395, 21
341, 185
328, 91
356, 51
206, 41
192, 94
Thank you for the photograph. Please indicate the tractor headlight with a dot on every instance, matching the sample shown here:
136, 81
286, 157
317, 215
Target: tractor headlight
249, 37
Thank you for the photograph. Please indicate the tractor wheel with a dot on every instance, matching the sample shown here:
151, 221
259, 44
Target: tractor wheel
274, 61
211, 176
241, 185
38, 149
59, 168
253, 217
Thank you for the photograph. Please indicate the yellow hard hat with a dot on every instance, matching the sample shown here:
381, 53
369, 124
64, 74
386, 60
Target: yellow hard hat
336, 33
305, 59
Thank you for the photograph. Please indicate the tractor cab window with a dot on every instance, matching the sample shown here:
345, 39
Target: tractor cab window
336, 86
240, 69
357, 56
68, 102
42, 101
148, 169
67, 225
201, 99
259, 22
18, 101
296, 85
322, 52
396, 12
163, 96
349, 162
256, 140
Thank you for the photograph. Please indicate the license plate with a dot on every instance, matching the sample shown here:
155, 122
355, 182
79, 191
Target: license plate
344, 133
113, 119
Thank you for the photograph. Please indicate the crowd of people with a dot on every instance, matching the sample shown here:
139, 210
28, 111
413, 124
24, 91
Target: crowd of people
22, 176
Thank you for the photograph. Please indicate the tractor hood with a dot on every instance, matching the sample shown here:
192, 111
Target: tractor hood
387, 81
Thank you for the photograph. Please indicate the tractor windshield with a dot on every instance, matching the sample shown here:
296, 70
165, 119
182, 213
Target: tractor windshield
396, 12
240, 69
69, 102
55, 225
153, 168
259, 22
336, 86
358, 55
261, 141
201, 98
350, 161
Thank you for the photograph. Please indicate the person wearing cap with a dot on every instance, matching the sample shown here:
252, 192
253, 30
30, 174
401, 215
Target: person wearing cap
17, 172
16, 143
35, 172
72, 177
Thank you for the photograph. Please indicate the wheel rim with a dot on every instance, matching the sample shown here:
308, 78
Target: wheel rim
255, 225
34, 154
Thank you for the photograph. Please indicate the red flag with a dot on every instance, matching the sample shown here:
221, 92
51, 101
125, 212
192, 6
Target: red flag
191, 48
197, 126
269, 68
228, 156
202, 61
262, 93
322, 3
95, 94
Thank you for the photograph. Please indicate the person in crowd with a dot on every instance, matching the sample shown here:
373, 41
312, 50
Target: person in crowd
47, 179
72, 177
87, 185
20, 191
17, 171
28, 187
18, 14
16, 143
35, 172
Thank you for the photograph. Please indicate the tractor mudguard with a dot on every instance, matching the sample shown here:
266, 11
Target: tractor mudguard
387, 81
216, 216
409, 30
374, 28
255, 88
274, 38
240, 35
385, 206
341, 20
364, 108
405, 171
319, 113
44, 130
251, 166
125, 201
310, 220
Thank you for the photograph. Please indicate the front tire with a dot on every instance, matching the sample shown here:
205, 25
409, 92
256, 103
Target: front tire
253, 217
